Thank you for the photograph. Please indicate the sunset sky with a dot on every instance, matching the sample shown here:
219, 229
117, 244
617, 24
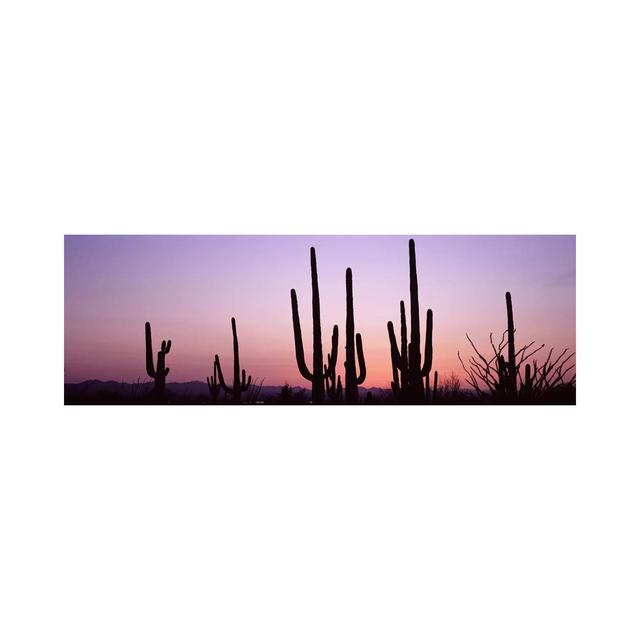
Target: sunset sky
189, 287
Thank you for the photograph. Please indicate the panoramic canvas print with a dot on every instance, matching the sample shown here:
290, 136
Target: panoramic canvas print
319, 320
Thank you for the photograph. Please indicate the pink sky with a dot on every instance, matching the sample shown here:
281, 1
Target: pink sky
189, 287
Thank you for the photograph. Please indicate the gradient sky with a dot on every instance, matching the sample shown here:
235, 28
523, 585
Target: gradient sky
189, 287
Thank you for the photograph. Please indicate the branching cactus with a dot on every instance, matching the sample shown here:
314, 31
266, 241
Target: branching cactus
318, 374
212, 383
159, 373
240, 384
333, 390
409, 385
352, 380
399, 358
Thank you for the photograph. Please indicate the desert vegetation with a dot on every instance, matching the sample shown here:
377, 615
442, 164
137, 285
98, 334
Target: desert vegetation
509, 374
499, 376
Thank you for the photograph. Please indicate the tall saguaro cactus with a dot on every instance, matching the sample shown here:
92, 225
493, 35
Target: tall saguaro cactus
352, 380
508, 369
159, 373
409, 387
240, 385
512, 368
317, 375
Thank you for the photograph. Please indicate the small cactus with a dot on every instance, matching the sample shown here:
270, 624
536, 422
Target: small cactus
212, 383
159, 373
240, 385
333, 390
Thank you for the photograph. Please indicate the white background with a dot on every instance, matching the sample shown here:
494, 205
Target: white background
332, 117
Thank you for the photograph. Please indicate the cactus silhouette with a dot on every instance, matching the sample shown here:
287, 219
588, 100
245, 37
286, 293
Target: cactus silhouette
500, 375
409, 386
434, 393
333, 390
212, 383
507, 370
240, 385
512, 367
526, 389
351, 379
160, 373
319, 373
399, 358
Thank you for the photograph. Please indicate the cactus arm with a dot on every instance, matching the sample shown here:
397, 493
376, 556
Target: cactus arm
212, 383
403, 334
166, 372
297, 335
395, 385
330, 368
220, 376
395, 354
245, 384
149, 350
428, 345
404, 357
168, 347
361, 362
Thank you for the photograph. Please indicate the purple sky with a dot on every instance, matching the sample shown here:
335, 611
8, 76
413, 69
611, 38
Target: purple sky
188, 287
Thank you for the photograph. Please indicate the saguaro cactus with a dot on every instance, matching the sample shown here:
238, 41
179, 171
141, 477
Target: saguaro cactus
351, 379
160, 373
507, 387
512, 367
411, 387
333, 390
399, 357
240, 385
501, 374
318, 375
212, 383
526, 388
